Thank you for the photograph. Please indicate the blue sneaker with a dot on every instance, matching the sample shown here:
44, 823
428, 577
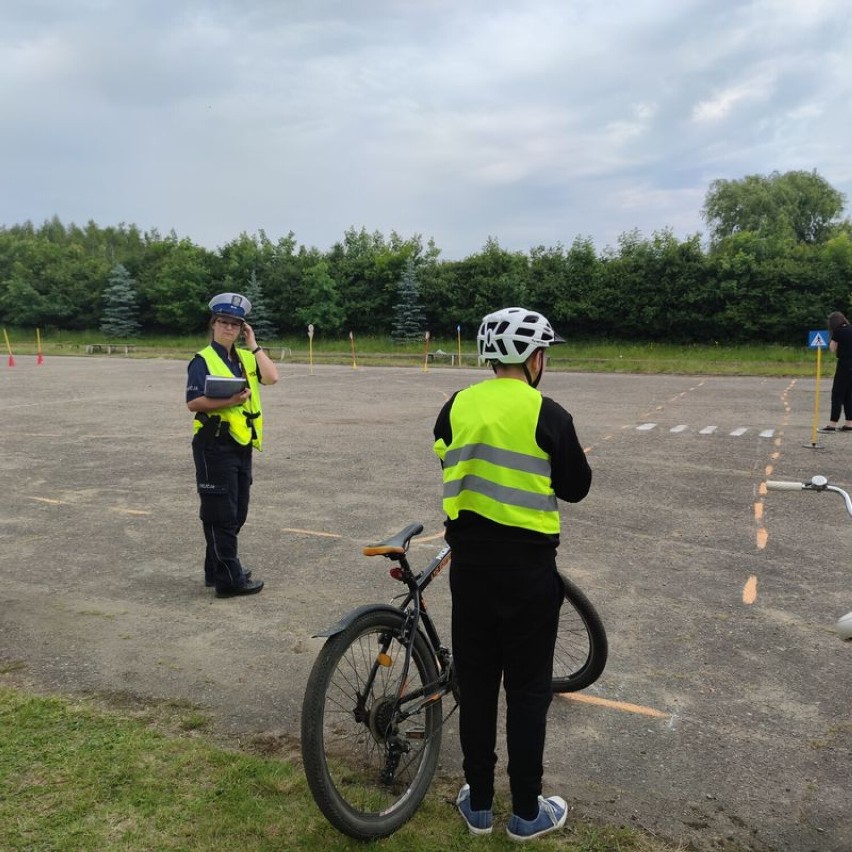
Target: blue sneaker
552, 813
478, 822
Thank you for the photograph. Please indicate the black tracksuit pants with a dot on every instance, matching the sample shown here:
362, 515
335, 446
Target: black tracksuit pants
504, 624
223, 477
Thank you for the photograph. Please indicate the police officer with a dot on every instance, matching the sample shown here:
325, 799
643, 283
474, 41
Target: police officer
507, 454
226, 429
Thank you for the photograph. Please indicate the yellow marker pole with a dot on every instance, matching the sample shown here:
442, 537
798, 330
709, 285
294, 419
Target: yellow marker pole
818, 340
9, 347
816, 397
458, 338
40, 358
311, 347
426, 355
352, 342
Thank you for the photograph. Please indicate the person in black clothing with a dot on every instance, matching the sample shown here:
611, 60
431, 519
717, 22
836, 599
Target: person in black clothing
507, 454
841, 386
228, 426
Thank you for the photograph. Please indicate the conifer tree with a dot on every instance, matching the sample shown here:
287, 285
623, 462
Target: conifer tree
409, 318
259, 318
121, 308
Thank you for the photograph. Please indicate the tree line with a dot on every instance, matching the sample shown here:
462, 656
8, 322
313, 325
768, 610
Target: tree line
776, 261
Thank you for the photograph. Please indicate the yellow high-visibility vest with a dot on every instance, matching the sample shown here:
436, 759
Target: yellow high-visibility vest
493, 465
245, 421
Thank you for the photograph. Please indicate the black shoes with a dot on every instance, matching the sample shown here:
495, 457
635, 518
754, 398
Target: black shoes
210, 583
250, 587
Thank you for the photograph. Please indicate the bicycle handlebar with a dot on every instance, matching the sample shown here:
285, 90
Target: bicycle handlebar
817, 483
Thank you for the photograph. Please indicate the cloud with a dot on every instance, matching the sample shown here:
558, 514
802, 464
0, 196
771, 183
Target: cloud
533, 123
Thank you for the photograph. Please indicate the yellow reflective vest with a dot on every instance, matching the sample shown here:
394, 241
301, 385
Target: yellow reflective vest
244, 421
493, 465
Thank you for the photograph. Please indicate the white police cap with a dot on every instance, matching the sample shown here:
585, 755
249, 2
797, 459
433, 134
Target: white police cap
231, 304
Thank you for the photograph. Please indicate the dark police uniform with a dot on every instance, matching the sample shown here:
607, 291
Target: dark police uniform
223, 469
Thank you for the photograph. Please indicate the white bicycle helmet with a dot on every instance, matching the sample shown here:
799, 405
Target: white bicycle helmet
511, 335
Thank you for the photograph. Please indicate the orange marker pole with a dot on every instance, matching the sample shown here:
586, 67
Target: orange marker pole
426, 355
40, 358
352, 341
9, 347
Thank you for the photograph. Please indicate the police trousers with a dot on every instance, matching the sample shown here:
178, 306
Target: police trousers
223, 478
504, 624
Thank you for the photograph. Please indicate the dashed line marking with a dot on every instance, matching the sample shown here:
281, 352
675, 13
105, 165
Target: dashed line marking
623, 706
707, 430
750, 591
311, 532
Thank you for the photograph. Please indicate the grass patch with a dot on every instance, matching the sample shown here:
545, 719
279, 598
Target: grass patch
575, 356
73, 777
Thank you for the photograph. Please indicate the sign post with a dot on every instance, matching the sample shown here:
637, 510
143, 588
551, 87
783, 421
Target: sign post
458, 339
817, 340
426, 355
352, 342
311, 346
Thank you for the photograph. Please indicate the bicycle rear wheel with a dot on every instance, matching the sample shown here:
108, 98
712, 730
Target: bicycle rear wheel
369, 766
581, 643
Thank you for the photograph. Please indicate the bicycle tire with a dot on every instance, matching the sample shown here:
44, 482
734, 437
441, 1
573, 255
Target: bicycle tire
344, 757
581, 643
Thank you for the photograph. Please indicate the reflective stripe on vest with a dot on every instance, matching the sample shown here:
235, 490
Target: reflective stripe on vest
244, 421
493, 466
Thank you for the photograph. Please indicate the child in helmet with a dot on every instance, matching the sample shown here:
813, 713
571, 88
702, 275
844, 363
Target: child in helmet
508, 453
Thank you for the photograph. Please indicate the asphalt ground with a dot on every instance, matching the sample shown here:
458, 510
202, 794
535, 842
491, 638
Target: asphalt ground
723, 716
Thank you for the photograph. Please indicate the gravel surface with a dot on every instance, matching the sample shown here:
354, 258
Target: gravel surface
723, 716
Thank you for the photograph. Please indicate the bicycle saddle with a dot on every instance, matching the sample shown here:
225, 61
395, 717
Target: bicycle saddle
396, 545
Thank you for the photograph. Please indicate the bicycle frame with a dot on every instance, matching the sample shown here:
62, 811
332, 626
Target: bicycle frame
415, 614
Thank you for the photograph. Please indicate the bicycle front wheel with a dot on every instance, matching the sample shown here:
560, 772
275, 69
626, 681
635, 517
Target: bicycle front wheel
581, 644
370, 753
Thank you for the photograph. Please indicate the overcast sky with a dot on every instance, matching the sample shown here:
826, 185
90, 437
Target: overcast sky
531, 121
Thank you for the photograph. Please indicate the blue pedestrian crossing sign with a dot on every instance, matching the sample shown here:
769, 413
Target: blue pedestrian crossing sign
818, 339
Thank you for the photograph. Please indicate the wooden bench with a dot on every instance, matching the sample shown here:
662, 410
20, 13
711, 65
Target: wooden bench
109, 348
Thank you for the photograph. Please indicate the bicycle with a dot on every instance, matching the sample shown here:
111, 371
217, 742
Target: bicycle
820, 483
372, 710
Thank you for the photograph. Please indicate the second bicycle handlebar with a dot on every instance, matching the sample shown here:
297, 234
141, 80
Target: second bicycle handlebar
816, 483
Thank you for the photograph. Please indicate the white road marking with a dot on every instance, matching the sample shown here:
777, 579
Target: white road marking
707, 430
645, 427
